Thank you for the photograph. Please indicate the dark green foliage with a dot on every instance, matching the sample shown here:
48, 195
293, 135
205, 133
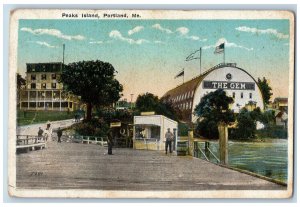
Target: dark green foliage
147, 102
21, 82
93, 81
273, 132
268, 118
213, 109
208, 128
93, 127
108, 116
246, 126
265, 90
150, 102
183, 129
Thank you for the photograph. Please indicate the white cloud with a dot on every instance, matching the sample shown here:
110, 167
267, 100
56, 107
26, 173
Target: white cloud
159, 27
182, 30
117, 35
96, 42
159, 42
263, 31
196, 38
135, 30
52, 32
227, 45
45, 44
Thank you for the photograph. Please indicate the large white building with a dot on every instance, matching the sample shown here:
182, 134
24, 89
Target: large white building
235, 81
44, 91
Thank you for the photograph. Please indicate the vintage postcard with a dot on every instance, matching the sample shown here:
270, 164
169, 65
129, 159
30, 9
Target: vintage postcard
151, 104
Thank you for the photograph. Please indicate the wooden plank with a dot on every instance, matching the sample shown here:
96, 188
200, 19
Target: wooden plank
81, 166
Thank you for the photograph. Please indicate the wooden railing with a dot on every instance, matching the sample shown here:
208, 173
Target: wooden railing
89, 140
30, 142
198, 151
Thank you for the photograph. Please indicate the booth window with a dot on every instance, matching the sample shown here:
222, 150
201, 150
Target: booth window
155, 132
147, 132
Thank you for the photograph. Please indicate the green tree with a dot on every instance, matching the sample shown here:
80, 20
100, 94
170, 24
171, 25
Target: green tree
265, 90
212, 110
151, 102
147, 102
93, 81
246, 123
21, 83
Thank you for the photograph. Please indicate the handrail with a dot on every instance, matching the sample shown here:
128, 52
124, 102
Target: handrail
197, 148
203, 154
213, 154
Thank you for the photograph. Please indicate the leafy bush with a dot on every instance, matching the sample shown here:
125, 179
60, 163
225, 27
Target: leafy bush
183, 129
273, 132
246, 126
94, 127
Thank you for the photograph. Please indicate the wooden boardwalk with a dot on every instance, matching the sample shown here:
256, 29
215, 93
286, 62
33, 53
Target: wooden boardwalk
82, 166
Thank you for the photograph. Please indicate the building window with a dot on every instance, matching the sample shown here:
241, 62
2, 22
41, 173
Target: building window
233, 94
33, 77
53, 85
33, 86
250, 95
242, 95
44, 77
44, 85
53, 76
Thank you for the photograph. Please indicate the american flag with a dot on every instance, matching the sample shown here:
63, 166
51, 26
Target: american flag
220, 49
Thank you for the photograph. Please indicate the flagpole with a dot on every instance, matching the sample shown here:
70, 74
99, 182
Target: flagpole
63, 54
200, 58
224, 54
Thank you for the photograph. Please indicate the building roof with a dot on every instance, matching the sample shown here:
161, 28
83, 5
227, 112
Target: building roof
191, 86
281, 100
44, 67
193, 83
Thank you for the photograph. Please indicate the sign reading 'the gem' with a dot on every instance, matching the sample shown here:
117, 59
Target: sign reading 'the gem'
229, 85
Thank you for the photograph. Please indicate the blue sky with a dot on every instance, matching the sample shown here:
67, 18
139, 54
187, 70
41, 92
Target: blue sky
148, 53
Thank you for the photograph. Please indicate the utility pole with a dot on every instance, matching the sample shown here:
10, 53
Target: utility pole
63, 54
200, 58
131, 95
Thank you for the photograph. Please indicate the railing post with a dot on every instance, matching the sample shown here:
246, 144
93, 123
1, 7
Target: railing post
206, 150
191, 142
223, 143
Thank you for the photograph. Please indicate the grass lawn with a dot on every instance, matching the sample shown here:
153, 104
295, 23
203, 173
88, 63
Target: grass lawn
35, 117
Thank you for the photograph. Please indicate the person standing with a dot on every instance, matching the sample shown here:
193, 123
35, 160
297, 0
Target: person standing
110, 141
48, 132
40, 134
59, 134
169, 138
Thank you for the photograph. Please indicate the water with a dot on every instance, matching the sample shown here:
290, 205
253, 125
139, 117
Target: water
269, 159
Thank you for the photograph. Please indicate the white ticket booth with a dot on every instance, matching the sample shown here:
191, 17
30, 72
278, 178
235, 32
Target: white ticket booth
149, 132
